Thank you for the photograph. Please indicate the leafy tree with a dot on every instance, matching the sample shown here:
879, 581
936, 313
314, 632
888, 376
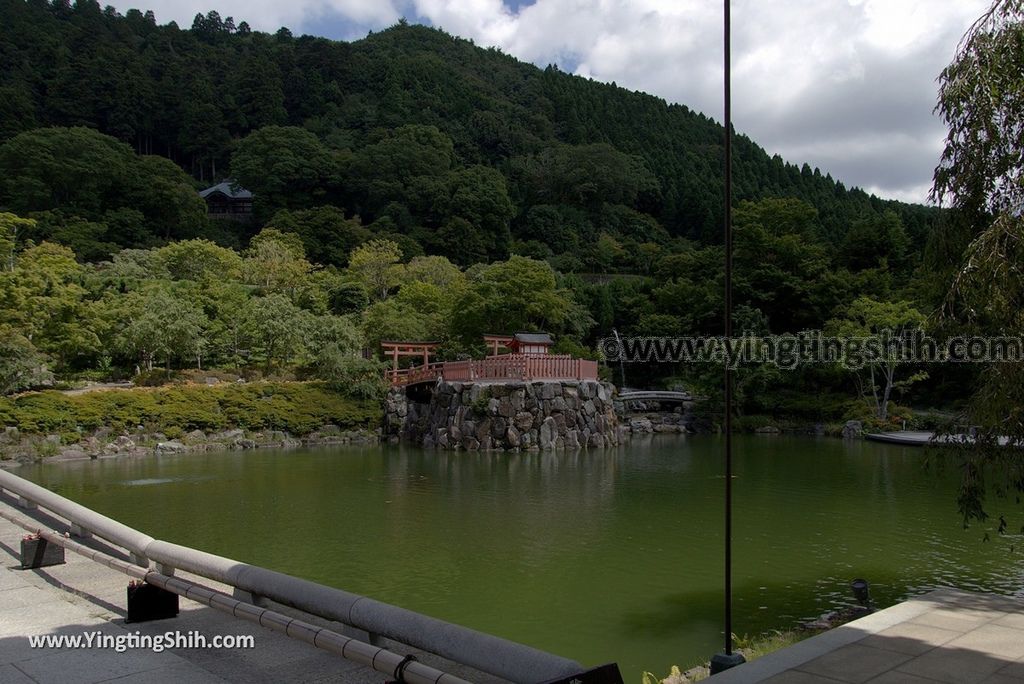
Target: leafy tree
162, 192
85, 174
159, 325
85, 237
377, 265
513, 295
203, 131
435, 270
125, 226
21, 365
17, 111
423, 307
198, 260
399, 164
260, 93
479, 196
980, 175
558, 226
778, 262
629, 224
340, 332
897, 321
275, 327
13, 230
135, 265
875, 241
42, 299
276, 262
285, 167
532, 249
588, 175
607, 251
982, 103
353, 375
224, 304
459, 241
49, 168
348, 297
335, 344
328, 237
395, 319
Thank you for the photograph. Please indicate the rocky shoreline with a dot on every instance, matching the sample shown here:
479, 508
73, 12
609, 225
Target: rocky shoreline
17, 448
569, 416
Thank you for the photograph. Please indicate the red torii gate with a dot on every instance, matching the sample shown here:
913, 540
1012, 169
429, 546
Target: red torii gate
496, 342
396, 349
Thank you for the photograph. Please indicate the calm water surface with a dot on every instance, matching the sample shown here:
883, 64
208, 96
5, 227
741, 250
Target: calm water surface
602, 556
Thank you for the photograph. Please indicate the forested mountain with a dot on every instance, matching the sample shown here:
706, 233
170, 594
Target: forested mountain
412, 133
408, 185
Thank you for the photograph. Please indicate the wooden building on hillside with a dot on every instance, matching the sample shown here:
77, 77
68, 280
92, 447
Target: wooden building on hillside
228, 201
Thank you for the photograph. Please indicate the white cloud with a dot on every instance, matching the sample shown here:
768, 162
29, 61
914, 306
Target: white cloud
486, 21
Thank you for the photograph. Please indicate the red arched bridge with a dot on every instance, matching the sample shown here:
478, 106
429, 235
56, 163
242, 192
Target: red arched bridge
497, 368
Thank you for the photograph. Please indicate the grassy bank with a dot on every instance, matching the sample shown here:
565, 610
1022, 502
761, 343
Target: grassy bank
754, 647
297, 408
751, 648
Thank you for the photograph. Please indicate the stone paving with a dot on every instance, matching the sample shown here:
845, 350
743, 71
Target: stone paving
82, 596
949, 636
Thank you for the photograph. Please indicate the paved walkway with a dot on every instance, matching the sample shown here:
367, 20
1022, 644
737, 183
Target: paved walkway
82, 596
946, 636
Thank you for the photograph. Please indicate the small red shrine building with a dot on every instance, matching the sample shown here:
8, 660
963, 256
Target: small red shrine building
520, 343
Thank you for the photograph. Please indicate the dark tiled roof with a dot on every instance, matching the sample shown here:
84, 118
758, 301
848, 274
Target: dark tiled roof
534, 338
228, 189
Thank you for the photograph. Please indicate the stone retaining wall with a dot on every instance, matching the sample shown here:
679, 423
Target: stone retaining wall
500, 416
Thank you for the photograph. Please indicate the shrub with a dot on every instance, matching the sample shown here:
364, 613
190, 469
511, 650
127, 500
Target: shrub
482, 403
156, 377
355, 377
751, 423
298, 408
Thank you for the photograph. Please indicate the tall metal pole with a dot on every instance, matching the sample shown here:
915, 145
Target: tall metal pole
727, 42
729, 659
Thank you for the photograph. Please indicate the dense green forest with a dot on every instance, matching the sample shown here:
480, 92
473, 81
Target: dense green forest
409, 184
590, 157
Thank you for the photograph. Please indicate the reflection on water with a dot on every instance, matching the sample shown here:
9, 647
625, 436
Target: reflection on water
608, 555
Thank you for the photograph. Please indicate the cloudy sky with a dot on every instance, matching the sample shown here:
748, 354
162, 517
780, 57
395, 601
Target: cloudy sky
845, 85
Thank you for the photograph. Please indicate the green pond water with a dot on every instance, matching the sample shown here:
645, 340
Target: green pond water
604, 556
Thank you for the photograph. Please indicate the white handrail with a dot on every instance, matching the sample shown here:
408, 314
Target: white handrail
485, 652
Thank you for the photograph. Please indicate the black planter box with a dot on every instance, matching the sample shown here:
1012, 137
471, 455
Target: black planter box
149, 602
38, 553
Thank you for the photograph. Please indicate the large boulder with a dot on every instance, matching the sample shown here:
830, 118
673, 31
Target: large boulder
524, 420
548, 433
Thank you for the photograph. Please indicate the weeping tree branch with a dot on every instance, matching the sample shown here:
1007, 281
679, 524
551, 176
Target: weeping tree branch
981, 174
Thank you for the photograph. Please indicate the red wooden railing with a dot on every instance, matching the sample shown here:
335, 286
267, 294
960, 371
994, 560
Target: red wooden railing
507, 367
407, 376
